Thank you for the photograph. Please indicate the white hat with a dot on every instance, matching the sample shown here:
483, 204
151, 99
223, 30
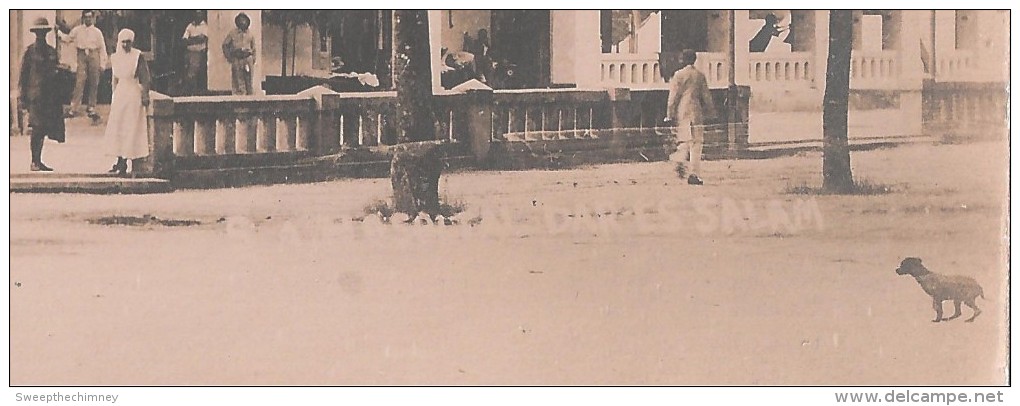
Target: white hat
125, 35
40, 23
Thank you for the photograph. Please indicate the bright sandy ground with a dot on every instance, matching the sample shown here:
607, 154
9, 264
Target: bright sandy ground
668, 288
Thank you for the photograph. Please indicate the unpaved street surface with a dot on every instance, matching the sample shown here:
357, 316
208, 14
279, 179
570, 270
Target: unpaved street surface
608, 275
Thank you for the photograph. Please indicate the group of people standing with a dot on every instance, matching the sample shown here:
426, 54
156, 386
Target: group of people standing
126, 134
688, 106
238, 48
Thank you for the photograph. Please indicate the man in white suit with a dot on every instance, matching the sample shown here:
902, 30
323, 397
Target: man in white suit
689, 103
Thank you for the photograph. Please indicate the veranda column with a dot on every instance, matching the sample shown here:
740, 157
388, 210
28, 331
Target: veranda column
742, 54
908, 68
821, 51
576, 48
732, 93
436, 48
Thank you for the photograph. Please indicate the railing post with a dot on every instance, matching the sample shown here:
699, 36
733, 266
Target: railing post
160, 161
479, 122
738, 109
732, 116
621, 113
327, 137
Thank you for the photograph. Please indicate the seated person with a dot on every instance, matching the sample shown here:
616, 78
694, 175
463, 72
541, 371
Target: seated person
480, 49
337, 65
459, 67
343, 78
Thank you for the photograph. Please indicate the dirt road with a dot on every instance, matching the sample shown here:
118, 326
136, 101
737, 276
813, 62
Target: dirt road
611, 275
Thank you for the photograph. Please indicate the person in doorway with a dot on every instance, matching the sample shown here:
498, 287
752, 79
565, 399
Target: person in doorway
127, 135
688, 105
38, 93
239, 48
480, 48
91, 47
196, 39
458, 67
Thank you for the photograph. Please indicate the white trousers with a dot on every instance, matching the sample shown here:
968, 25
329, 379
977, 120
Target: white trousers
690, 141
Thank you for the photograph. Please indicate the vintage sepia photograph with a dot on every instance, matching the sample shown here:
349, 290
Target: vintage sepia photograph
510, 198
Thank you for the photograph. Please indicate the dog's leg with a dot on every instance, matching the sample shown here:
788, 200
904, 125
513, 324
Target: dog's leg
937, 305
956, 304
970, 302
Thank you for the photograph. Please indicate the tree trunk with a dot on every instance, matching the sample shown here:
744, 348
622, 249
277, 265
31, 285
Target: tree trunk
414, 175
413, 76
836, 104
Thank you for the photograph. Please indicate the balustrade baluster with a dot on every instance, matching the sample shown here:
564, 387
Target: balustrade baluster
304, 132
450, 130
205, 136
363, 136
225, 127
378, 129
344, 141
184, 137
286, 133
500, 122
265, 140
247, 127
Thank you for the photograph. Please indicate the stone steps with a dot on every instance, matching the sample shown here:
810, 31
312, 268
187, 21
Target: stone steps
52, 182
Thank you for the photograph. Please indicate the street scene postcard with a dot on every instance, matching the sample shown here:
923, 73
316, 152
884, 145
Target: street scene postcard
517, 197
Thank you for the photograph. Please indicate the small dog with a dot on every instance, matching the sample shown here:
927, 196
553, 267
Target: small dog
943, 287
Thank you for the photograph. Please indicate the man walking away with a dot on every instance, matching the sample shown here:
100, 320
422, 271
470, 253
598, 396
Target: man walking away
91, 46
688, 105
239, 48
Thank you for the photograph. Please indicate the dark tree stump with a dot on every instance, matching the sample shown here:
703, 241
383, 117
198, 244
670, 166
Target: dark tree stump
414, 174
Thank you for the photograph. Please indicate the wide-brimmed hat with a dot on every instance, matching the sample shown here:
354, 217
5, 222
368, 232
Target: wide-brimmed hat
39, 24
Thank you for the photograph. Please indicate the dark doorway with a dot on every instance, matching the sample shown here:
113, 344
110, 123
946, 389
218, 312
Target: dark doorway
362, 39
684, 29
158, 34
520, 48
169, 64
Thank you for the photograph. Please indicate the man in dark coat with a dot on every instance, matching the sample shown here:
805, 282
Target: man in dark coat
39, 92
